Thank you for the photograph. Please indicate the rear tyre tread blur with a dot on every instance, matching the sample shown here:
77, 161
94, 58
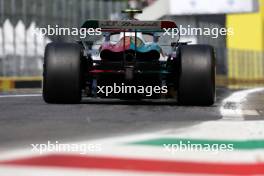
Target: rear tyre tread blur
62, 80
197, 75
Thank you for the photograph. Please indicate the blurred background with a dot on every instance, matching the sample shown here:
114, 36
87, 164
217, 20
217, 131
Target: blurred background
240, 58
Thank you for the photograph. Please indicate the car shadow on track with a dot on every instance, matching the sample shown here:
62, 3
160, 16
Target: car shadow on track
128, 102
221, 92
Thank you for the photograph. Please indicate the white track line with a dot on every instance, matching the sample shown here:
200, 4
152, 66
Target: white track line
119, 147
22, 95
44, 171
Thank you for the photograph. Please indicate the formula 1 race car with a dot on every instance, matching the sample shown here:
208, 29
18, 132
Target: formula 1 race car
129, 63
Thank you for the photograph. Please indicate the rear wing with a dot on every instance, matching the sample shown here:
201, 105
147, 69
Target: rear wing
130, 25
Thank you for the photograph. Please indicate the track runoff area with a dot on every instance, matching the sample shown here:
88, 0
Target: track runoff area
233, 145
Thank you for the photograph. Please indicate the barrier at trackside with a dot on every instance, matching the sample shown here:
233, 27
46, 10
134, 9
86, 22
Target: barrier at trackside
10, 83
247, 66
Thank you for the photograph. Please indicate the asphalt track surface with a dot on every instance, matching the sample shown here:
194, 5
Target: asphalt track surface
28, 119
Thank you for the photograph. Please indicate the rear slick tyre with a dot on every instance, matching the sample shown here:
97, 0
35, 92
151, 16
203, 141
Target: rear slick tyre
62, 73
197, 75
